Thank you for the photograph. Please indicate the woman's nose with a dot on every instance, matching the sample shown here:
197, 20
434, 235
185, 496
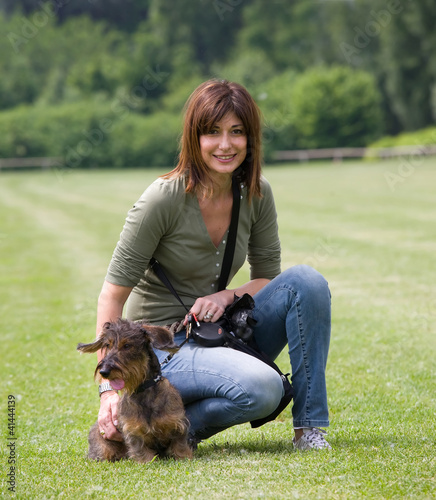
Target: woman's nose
225, 142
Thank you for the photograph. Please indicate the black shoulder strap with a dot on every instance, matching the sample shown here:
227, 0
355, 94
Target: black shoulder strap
231, 238
157, 268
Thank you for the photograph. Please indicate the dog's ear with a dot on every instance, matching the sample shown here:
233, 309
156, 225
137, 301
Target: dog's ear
93, 347
160, 338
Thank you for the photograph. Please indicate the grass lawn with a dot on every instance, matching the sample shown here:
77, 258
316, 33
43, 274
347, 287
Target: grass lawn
370, 228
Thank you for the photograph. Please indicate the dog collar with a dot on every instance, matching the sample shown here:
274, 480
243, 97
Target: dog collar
147, 384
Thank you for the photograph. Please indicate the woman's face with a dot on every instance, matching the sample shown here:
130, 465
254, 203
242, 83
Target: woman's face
224, 148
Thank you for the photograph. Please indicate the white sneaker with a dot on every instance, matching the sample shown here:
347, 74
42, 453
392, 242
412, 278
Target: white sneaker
312, 439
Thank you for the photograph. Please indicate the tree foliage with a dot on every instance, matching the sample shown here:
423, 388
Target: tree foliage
324, 73
90, 134
336, 107
123, 14
409, 60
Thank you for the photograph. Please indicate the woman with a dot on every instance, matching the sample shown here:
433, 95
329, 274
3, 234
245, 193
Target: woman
182, 220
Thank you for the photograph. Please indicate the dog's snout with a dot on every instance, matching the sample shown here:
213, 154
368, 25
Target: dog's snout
104, 372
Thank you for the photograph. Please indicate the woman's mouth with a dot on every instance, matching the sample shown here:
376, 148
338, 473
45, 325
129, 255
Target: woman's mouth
224, 158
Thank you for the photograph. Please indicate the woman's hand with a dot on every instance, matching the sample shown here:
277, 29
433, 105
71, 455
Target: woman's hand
107, 416
110, 307
211, 307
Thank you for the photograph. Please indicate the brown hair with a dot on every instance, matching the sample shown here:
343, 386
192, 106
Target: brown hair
206, 106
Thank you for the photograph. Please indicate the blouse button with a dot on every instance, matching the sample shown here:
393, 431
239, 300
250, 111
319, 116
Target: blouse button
224, 241
217, 264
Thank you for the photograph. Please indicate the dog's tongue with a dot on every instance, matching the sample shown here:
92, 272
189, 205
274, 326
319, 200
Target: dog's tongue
117, 384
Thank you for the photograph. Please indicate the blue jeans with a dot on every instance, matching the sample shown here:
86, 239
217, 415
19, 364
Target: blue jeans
221, 387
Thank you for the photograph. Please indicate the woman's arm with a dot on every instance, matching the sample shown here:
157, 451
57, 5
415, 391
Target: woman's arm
110, 307
252, 287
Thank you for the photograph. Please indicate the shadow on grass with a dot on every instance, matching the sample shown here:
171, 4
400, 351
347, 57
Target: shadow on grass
268, 446
262, 446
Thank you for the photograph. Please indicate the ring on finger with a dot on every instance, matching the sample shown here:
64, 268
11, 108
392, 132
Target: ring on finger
208, 315
102, 433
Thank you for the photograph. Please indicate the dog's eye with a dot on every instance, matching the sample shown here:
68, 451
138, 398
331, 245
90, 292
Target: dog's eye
126, 346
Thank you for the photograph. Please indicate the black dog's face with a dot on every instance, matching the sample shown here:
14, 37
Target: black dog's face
128, 354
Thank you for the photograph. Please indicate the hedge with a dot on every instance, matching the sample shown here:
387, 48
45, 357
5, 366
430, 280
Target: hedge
335, 107
421, 137
90, 134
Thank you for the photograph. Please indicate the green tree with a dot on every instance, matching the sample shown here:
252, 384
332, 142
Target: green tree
408, 62
394, 40
41, 60
292, 34
275, 100
335, 107
123, 14
207, 29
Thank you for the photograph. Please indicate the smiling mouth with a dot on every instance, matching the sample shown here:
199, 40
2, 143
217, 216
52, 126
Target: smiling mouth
225, 157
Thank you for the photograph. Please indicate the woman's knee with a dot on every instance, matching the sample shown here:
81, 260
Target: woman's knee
266, 392
306, 282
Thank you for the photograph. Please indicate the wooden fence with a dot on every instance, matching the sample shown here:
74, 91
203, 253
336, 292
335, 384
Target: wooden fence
335, 154
30, 162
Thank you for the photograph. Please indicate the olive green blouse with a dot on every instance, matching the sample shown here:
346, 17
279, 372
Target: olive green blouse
166, 223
